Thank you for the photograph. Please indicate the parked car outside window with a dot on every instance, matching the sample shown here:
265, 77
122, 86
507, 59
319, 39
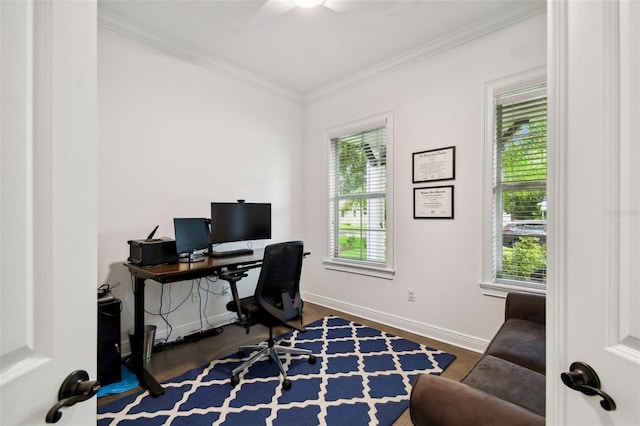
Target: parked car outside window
513, 231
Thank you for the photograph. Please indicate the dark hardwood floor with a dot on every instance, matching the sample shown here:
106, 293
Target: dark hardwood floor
181, 358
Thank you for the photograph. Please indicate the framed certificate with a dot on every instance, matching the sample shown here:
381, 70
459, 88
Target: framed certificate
435, 202
434, 165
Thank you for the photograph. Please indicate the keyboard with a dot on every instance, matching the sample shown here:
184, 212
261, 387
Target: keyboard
231, 253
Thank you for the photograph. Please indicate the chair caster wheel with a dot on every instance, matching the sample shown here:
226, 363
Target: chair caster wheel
235, 380
286, 384
312, 359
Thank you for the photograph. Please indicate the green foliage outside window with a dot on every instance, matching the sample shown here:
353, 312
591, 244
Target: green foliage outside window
521, 175
353, 173
525, 258
524, 159
351, 247
358, 188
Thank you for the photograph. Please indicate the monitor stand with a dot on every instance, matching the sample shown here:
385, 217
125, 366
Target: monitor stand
192, 258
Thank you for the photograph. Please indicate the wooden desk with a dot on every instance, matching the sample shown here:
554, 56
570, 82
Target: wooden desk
171, 273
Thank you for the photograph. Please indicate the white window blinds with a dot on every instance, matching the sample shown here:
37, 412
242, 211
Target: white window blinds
520, 177
357, 197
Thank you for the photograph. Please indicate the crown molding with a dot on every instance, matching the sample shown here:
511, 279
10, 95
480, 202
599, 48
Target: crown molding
466, 34
150, 37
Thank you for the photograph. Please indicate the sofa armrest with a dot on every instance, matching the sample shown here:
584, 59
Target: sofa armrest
440, 401
530, 307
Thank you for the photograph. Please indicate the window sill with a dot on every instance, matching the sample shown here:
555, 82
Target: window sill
499, 289
358, 268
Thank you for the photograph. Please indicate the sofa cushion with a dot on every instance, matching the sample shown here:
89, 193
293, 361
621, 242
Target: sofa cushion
508, 381
436, 400
521, 342
530, 307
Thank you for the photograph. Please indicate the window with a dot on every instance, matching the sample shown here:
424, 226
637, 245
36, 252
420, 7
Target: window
359, 198
516, 187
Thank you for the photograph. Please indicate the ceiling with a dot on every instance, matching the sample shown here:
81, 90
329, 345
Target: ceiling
306, 52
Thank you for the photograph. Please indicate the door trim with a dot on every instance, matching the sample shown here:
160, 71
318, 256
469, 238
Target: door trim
557, 97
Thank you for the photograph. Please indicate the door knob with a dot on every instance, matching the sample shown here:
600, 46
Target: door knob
75, 388
583, 378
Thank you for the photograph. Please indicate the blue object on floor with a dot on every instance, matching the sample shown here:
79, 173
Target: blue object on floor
129, 381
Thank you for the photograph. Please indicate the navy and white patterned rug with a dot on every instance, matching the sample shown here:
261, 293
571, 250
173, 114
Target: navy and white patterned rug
362, 376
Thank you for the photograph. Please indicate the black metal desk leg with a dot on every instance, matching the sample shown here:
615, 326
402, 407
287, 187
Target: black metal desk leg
137, 354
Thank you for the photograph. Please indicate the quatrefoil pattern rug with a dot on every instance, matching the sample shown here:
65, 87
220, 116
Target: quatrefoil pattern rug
362, 376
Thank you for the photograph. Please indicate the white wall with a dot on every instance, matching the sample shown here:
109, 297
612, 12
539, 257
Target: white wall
174, 136
437, 103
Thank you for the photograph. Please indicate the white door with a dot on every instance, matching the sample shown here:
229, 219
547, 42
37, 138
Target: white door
48, 210
594, 310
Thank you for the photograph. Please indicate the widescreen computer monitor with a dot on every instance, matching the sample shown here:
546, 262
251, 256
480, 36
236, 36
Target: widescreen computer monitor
192, 234
240, 222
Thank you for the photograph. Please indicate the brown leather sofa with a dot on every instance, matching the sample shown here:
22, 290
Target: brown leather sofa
505, 387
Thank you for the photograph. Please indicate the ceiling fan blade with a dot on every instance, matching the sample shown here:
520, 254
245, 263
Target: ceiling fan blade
349, 6
272, 9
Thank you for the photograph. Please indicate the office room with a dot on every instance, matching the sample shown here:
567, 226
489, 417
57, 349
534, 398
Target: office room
189, 135
175, 136
178, 129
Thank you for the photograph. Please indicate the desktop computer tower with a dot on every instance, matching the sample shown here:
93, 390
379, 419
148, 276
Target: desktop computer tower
109, 357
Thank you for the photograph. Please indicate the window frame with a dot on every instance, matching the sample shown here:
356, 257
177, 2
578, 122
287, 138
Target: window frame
489, 284
385, 270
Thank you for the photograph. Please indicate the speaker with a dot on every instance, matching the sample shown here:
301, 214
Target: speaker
109, 357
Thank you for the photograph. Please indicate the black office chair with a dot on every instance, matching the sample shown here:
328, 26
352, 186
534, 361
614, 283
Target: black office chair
276, 301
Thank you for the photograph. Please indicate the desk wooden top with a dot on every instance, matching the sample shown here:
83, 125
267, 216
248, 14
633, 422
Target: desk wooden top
186, 271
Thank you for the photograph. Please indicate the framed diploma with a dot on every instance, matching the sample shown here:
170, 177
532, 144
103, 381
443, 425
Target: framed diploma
434, 165
435, 202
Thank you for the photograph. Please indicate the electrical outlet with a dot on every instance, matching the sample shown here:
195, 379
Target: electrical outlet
411, 293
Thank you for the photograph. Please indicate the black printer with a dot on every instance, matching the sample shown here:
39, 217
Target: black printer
154, 251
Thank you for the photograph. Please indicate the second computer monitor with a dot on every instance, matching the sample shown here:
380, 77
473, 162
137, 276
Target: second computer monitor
240, 222
192, 234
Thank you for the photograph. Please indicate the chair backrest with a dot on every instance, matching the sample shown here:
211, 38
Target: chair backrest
278, 288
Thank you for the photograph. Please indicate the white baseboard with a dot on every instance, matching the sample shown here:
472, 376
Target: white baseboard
432, 332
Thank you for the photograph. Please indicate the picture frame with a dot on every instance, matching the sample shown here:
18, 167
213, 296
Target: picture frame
434, 165
435, 202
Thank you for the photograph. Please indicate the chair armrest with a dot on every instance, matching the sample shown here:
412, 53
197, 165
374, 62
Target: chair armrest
526, 306
440, 401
